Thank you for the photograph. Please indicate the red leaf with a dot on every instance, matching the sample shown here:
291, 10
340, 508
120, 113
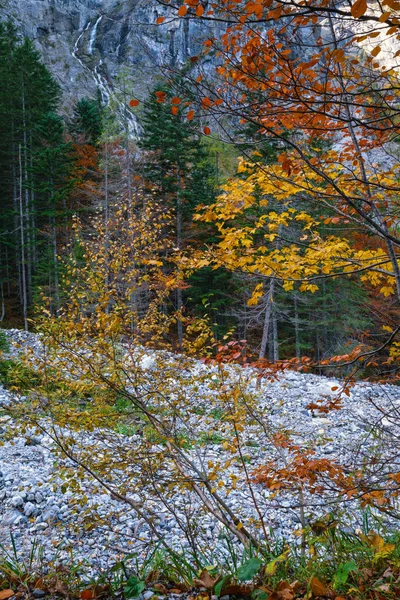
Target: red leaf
190, 115
134, 102
207, 130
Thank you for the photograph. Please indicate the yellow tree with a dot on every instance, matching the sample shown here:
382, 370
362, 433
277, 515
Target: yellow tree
308, 75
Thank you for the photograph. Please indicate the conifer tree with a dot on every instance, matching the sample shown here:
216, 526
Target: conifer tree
179, 168
28, 96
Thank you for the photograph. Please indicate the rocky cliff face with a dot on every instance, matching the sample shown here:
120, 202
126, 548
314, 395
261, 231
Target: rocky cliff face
94, 44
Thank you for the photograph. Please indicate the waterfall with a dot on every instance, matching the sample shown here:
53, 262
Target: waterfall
93, 35
96, 72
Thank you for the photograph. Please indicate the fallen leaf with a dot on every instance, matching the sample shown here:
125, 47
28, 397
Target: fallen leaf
317, 587
206, 580
238, 590
61, 587
284, 585
160, 587
4, 594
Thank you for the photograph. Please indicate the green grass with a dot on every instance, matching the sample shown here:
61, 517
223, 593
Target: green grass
360, 566
4, 343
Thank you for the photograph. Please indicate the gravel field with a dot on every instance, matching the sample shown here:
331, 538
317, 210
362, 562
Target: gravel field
100, 529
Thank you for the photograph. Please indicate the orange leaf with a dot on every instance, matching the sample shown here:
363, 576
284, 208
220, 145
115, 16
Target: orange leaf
87, 595
182, 11
376, 51
190, 115
200, 10
207, 130
160, 96
4, 594
359, 8
206, 102
317, 588
160, 20
176, 100
134, 102
174, 110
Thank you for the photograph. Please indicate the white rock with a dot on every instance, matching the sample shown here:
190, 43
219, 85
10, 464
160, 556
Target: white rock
17, 500
29, 509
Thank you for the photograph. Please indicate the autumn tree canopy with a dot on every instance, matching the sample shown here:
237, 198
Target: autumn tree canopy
321, 79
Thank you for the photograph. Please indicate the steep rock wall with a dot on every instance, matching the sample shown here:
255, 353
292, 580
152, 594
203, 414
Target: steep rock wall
88, 44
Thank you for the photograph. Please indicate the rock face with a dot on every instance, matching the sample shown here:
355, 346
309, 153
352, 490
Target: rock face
92, 45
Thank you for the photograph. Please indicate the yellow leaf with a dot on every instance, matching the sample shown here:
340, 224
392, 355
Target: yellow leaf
272, 566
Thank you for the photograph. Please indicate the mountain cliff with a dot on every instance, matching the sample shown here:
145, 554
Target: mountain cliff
92, 45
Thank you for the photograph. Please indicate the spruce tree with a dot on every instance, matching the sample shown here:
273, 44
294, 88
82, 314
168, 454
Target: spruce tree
177, 167
88, 120
28, 94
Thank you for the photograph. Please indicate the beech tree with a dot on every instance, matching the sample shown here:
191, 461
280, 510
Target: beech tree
308, 75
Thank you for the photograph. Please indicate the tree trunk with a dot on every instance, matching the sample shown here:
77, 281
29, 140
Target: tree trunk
276, 338
179, 300
297, 326
28, 254
267, 320
22, 244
